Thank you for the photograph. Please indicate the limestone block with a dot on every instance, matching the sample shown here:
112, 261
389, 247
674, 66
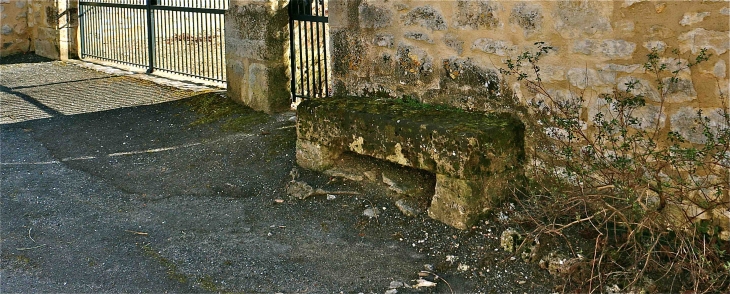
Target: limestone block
6, 29
247, 22
720, 69
245, 48
642, 87
706, 189
373, 17
383, 65
691, 18
558, 95
650, 117
20, 28
425, 16
338, 16
550, 73
418, 37
528, 16
629, 3
676, 64
699, 38
582, 18
257, 30
510, 239
465, 72
619, 49
585, 46
454, 42
315, 156
477, 158
681, 90
684, 122
47, 43
492, 46
625, 25
413, 64
630, 68
659, 46
722, 219
383, 40
236, 66
348, 51
258, 83
267, 88
476, 14
586, 77
660, 32
452, 201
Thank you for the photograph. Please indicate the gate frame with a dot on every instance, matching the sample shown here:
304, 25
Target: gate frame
150, 6
301, 11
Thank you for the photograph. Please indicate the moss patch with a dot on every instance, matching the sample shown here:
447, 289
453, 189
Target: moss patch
207, 283
171, 268
414, 104
213, 108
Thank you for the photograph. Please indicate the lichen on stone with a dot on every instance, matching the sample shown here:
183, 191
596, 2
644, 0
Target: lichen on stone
528, 17
481, 14
425, 16
373, 17
413, 64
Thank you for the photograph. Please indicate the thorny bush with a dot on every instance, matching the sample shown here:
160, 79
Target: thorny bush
641, 195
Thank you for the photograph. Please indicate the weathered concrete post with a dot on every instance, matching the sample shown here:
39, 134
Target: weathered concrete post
257, 54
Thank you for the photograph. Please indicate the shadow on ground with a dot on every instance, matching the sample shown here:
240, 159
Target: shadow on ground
23, 58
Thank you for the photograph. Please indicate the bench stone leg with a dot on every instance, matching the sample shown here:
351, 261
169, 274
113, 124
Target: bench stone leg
315, 156
457, 202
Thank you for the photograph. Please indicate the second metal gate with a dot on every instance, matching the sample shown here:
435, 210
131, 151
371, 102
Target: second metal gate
183, 37
309, 31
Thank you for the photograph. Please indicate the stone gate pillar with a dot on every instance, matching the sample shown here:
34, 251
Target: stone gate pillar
53, 25
257, 39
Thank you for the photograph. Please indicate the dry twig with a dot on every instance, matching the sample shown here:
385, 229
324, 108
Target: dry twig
137, 233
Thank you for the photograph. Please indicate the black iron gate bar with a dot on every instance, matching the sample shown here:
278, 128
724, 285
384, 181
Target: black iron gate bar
308, 31
162, 35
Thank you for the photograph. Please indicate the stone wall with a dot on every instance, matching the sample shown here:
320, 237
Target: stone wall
449, 52
15, 35
46, 27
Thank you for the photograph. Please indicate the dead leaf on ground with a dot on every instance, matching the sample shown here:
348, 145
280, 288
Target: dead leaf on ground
423, 283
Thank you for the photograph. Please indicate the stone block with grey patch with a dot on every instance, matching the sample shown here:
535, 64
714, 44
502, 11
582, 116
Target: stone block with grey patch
477, 157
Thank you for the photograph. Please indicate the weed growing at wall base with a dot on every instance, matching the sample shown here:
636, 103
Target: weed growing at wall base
652, 202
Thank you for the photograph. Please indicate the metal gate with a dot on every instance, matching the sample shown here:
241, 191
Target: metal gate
183, 37
309, 31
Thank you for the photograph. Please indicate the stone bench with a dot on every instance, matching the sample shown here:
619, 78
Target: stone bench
477, 158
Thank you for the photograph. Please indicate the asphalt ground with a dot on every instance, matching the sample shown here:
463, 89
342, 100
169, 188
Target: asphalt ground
112, 184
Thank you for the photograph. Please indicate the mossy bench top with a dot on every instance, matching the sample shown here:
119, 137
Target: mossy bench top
410, 111
434, 138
